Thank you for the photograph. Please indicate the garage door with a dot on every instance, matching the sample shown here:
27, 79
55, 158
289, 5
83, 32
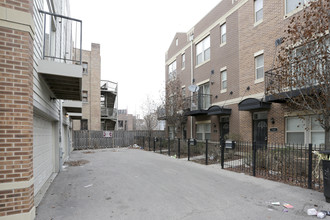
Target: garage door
43, 158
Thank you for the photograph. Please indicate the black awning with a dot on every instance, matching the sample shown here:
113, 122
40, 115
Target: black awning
251, 104
217, 110
196, 112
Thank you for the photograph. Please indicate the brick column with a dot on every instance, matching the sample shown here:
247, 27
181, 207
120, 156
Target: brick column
16, 111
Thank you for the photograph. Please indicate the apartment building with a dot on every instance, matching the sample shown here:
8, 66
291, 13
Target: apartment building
126, 122
40, 80
91, 102
221, 63
99, 97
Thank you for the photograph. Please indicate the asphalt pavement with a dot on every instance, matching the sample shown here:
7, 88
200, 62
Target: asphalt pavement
135, 184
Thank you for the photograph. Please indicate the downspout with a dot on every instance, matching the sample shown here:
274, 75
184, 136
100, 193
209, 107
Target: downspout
191, 38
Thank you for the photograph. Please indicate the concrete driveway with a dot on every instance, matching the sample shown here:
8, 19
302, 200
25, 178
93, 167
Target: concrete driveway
135, 184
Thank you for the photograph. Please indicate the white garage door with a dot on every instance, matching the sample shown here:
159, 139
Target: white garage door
43, 162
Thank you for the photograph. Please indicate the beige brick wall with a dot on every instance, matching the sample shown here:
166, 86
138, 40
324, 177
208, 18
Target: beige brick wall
91, 110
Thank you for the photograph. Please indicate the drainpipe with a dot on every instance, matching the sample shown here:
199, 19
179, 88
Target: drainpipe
191, 78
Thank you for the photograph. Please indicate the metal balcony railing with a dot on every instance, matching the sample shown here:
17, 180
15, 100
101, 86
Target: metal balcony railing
62, 38
108, 112
107, 85
198, 102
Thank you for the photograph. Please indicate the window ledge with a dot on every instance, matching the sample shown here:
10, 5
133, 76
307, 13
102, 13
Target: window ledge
293, 12
201, 64
258, 22
259, 80
223, 90
223, 44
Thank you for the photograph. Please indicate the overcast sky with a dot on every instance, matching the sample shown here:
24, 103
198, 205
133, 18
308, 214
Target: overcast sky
134, 36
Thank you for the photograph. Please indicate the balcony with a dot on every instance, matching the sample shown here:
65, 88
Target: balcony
279, 88
198, 104
60, 65
109, 91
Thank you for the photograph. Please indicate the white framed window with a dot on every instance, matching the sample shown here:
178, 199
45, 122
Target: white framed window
304, 130
224, 80
292, 5
85, 68
203, 50
172, 70
183, 61
259, 67
258, 10
203, 131
223, 33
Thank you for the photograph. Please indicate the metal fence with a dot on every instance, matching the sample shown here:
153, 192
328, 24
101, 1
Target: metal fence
99, 139
288, 163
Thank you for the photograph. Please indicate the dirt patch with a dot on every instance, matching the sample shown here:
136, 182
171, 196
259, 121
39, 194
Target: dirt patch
76, 163
88, 152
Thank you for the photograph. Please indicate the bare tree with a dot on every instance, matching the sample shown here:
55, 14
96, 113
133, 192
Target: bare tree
175, 104
301, 74
149, 109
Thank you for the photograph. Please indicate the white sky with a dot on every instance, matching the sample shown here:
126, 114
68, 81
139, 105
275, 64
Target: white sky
134, 36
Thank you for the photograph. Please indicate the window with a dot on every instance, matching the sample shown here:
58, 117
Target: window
83, 124
204, 98
85, 68
295, 130
203, 50
183, 61
291, 5
184, 92
172, 70
224, 80
176, 42
85, 96
259, 66
203, 131
223, 32
304, 130
258, 10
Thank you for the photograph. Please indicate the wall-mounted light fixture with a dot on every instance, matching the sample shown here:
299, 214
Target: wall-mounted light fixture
272, 120
212, 71
212, 82
66, 115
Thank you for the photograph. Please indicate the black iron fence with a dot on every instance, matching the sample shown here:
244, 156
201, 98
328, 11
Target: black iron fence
288, 163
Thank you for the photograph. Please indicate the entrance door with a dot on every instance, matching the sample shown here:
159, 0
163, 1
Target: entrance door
224, 127
260, 129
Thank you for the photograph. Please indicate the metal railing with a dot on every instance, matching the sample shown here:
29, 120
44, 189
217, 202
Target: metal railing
110, 86
62, 38
108, 112
288, 163
198, 102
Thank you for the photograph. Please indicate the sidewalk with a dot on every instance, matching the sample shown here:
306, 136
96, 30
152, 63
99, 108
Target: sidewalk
135, 184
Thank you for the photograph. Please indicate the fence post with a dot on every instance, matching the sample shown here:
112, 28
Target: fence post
310, 165
143, 142
149, 142
188, 149
169, 147
154, 144
254, 155
179, 148
160, 145
206, 152
222, 146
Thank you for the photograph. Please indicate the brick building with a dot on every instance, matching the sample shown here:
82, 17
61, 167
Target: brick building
226, 55
126, 122
38, 74
99, 97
